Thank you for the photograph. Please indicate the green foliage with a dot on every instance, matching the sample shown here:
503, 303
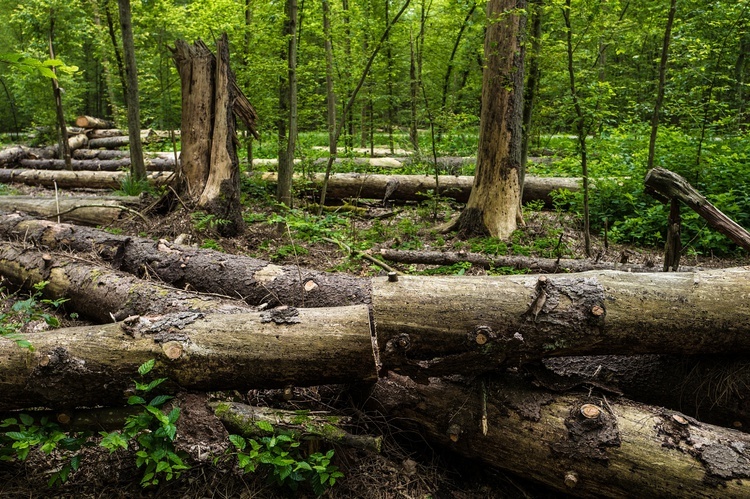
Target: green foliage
31, 65
25, 311
150, 432
279, 456
203, 221
130, 186
46, 436
211, 244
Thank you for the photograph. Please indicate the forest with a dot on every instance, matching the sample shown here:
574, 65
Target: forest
374, 248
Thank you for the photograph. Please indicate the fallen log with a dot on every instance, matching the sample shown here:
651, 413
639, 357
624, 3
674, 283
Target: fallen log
580, 444
436, 325
12, 155
116, 132
91, 122
81, 179
664, 184
517, 262
95, 365
242, 418
100, 293
109, 142
416, 187
100, 210
117, 154
110, 165
255, 281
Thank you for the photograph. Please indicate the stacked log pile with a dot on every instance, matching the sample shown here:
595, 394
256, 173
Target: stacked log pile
453, 358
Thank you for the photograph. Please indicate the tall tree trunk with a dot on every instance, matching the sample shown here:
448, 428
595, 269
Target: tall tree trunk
137, 167
330, 94
532, 83
62, 128
116, 50
389, 78
494, 205
662, 79
413, 93
581, 129
288, 107
452, 58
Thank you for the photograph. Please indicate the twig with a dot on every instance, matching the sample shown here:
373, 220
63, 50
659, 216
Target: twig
119, 206
361, 254
57, 201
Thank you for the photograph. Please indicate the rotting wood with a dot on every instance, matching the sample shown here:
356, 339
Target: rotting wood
152, 164
629, 450
100, 293
533, 316
664, 184
417, 187
255, 281
100, 210
241, 418
95, 365
80, 179
530, 263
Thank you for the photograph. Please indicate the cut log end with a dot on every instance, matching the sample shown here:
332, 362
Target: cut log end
590, 411
571, 479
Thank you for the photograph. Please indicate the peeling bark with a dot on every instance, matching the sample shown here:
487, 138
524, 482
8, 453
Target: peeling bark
100, 210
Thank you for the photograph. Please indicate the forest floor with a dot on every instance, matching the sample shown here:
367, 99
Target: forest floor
408, 466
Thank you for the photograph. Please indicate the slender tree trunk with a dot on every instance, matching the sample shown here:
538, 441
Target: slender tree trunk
452, 58
330, 94
389, 77
581, 129
532, 83
288, 99
116, 49
494, 205
662, 79
413, 92
137, 167
62, 128
349, 119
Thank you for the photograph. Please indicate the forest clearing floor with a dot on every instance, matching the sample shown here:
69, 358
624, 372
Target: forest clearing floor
408, 466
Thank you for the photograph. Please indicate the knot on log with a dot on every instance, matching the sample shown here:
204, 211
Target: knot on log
591, 430
398, 344
481, 335
281, 315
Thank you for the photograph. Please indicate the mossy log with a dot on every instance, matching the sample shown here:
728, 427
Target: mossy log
100, 210
80, 179
100, 293
95, 365
583, 444
458, 324
255, 281
242, 419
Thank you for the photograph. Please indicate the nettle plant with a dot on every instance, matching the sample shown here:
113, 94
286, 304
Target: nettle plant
22, 312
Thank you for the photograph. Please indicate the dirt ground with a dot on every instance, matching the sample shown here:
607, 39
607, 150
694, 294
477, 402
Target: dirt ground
407, 467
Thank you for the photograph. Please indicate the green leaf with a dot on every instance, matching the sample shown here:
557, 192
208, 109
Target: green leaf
238, 441
158, 414
44, 71
154, 384
174, 415
159, 400
265, 426
26, 419
146, 367
163, 466
136, 400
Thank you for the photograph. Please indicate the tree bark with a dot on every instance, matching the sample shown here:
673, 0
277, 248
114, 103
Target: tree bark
101, 293
146, 133
494, 205
530, 263
13, 154
664, 184
482, 322
109, 165
288, 107
241, 419
57, 93
580, 444
137, 168
100, 210
416, 187
81, 179
95, 365
91, 122
255, 281
109, 142
114, 154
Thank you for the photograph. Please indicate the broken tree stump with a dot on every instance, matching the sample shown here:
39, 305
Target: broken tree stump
666, 185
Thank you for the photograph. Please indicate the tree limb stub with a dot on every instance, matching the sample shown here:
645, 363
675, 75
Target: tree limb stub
95, 365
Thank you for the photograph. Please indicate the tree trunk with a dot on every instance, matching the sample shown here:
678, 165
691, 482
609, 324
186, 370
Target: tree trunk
82, 179
662, 80
100, 293
104, 133
288, 107
221, 194
255, 281
482, 322
330, 92
196, 66
109, 142
530, 263
108, 165
580, 444
416, 187
13, 154
114, 154
664, 184
137, 168
91, 122
100, 210
494, 205
241, 419
57, 93
532, 84
95, 365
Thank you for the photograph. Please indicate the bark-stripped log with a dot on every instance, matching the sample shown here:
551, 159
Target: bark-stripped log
100, 210
110, 165
580, 444
116, 132
91, 122
117, 154
662, 183
100, 293
416, 187
255, 281
11, 155
481, 322
241, 419
95, 365
109, 142
72, 180
530, 263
